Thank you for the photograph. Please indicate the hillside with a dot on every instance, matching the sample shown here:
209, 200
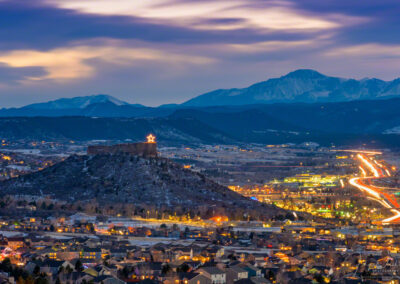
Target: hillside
300, 86
372, 122
168, 130
354, 117
119, 179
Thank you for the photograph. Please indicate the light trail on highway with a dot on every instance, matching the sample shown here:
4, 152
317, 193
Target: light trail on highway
386, 200
369, 165
359, 151
357, 183
364, 173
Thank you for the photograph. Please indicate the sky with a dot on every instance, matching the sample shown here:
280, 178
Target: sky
167, 51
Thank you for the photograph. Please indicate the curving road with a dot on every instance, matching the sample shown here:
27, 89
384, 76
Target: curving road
378, 171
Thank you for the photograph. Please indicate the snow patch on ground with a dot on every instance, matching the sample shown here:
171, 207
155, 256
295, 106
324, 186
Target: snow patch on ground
394, 130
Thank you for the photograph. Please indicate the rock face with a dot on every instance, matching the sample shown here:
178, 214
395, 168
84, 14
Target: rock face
126, 179
136, 149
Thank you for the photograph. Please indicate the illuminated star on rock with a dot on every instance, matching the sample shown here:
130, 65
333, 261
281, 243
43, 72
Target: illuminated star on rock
151, 138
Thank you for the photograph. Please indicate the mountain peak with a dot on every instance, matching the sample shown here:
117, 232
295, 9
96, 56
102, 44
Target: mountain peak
77, 102
304, 73
302, 85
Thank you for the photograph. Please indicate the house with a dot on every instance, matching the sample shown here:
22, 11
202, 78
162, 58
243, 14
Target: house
75, 277
100, 270
15, 242
106, 279
235, 273
87, 262
216, 275
252, 270
90, 253
193, 278
183, 253
6, 278
65, 254
118, 253
286, 277
259, 280
148, 269
36, 241
48, 266
80, 218
187, 278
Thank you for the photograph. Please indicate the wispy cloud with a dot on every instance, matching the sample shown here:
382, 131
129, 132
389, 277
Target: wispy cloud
76, 62
371, 49
220, 14
66, 47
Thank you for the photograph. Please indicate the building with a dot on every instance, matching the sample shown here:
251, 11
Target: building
15, 242
235, 273
216, 275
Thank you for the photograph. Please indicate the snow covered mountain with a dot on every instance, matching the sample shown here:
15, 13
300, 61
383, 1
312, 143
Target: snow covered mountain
76, 102
303, 85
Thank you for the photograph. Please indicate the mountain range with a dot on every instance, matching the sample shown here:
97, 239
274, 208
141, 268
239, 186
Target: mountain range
375, 123
303, 105
300, 86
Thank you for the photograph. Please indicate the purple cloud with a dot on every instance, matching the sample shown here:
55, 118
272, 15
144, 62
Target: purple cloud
240, 41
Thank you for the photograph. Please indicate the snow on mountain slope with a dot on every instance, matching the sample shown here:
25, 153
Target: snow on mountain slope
76, 102
302, 85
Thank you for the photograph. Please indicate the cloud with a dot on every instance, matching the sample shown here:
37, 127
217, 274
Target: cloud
77, 62
53, 48
13, 76
269, 46
366, 50
34, 25
383, 19
214, 15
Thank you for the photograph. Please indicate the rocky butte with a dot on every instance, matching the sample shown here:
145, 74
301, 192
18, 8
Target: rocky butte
128, 179
143, 149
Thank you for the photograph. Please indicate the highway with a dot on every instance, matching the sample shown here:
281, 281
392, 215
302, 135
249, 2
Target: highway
376, 170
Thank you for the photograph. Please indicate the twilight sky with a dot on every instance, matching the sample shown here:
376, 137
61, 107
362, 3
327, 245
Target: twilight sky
167, 51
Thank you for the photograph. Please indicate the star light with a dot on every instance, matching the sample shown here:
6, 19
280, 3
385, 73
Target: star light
151, 138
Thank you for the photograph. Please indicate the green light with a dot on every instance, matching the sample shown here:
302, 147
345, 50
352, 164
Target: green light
324, 210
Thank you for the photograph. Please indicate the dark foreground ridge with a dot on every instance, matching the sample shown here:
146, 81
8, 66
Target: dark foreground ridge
145, 182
